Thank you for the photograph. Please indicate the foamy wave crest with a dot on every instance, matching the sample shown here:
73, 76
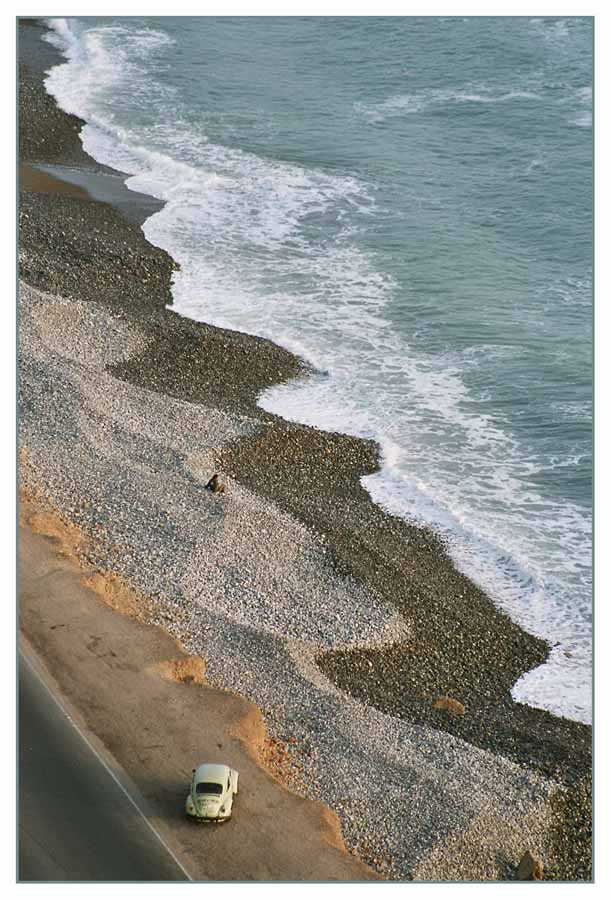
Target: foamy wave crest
555, 32
406, 104
582, 97
583, 120
101, 61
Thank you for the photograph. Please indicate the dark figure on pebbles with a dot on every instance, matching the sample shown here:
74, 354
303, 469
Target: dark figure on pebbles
215, 485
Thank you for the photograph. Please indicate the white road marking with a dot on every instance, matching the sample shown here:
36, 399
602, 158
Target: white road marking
40, 675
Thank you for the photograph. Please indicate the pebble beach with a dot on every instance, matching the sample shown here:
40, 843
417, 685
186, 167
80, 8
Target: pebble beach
345, 625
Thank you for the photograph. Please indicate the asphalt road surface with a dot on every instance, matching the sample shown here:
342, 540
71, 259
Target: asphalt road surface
76, 820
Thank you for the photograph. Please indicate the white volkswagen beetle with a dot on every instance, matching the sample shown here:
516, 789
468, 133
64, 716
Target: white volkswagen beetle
210, 797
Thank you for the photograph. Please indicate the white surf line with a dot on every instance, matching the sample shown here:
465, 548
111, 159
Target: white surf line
28, 658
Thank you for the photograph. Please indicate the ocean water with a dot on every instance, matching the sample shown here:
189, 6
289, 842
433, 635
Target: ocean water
407, 204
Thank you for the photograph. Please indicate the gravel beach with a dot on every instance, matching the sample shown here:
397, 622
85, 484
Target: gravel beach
342, 623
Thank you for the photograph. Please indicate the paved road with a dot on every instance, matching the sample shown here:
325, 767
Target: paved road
76, 822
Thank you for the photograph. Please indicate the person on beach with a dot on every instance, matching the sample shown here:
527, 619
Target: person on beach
215, 485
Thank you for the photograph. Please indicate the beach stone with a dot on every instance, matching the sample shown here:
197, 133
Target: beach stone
455, 707
111, 414
530, 868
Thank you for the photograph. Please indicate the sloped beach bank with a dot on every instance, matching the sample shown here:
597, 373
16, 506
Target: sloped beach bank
343, 623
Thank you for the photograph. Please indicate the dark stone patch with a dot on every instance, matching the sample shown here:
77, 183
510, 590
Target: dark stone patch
570, 857
202, 364
87, 250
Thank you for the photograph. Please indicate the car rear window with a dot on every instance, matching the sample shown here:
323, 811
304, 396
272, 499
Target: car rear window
208, 787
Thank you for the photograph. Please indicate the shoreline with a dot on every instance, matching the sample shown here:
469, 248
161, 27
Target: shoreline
435, 633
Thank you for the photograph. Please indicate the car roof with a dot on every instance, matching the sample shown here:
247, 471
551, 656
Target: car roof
215, 772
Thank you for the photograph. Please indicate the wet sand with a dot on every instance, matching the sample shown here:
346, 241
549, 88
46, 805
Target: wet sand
34, 179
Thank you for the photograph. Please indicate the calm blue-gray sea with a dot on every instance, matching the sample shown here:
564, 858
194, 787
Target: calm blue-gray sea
407, 204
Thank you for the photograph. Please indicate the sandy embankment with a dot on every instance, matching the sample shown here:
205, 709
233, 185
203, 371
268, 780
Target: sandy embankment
296, 590
147, 701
